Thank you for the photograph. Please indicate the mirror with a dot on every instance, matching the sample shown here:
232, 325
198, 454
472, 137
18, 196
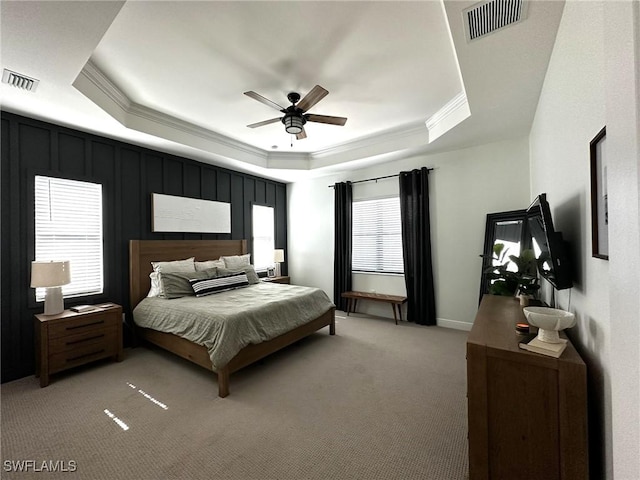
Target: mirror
508, 228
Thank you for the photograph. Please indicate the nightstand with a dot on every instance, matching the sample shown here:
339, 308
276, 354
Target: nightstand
70, 339
279, 279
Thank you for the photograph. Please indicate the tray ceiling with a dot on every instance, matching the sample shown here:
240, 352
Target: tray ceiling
171, 75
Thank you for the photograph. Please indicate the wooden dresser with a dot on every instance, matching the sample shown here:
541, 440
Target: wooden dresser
527, 412
70, 339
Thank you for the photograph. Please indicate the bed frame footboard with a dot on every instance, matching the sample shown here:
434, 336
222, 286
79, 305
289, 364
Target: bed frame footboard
248, 355
143, 252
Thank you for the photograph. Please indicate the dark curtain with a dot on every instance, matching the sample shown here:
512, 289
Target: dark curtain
416, 246
342, 244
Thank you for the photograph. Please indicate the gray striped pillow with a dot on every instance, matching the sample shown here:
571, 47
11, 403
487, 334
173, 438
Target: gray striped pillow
176, 284
219, 284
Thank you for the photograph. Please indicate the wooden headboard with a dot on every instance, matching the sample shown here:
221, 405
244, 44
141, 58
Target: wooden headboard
143, 252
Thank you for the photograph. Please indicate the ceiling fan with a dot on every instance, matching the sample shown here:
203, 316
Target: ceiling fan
295, 115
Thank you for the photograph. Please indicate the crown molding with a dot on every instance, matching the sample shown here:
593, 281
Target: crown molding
102, 91
91, 72
397, 133
453, 112
97, 87
172, 122
398, 139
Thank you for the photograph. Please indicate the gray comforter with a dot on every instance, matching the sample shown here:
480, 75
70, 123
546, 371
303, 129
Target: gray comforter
228, 321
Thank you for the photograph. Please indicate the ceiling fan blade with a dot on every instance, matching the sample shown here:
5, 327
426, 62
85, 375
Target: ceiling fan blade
316, 94
261, 99
264, 122
301, 135
326, 119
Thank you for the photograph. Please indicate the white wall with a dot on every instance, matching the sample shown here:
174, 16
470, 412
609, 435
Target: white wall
574, 105
465, 186
622, 53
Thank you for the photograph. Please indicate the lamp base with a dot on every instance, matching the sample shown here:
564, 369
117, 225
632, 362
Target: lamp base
277, 269
53, 301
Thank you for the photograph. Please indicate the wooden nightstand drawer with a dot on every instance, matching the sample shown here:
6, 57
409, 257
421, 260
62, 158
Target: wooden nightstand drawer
81, 324
89, 352
70, 339
78, 340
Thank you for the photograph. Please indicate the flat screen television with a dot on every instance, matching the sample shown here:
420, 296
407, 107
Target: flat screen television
548, 245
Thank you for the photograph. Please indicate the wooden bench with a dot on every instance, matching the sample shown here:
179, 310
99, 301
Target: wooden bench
394, 300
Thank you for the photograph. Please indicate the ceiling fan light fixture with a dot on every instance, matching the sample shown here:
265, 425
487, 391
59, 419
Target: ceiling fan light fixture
293, 123
295, 115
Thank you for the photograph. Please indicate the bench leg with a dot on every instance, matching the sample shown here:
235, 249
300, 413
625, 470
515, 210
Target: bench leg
393, 307
352, 303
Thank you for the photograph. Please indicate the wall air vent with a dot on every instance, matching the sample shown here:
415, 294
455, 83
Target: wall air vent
492, 15
20, 81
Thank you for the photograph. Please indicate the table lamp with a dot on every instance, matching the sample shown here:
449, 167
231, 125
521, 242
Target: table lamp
278, 257
51, 275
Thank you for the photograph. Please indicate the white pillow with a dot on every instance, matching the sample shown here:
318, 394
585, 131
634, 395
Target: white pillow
176, 266
236, 261
209, 264
156, 285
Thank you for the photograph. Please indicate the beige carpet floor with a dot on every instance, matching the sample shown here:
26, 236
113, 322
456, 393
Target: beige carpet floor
376, 401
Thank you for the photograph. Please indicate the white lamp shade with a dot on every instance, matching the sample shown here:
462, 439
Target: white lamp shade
50, 274
278, 255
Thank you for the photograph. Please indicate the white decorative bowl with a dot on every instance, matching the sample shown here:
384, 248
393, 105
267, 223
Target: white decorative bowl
549, 322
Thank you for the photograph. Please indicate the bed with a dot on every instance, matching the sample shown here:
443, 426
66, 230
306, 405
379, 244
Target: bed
143, 252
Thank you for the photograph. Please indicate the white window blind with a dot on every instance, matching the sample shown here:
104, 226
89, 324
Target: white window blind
68, 226
263, 236
377, 236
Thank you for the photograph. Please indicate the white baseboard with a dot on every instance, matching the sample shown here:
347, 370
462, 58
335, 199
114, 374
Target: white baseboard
454, 324
441, 322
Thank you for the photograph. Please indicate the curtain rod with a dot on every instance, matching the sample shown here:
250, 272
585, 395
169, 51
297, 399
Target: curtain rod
377, 178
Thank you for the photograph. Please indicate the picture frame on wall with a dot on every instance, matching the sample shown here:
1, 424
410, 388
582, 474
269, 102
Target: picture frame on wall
599, 197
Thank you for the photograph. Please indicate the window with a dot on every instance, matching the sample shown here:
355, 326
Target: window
377, 236
68, 226
263, 236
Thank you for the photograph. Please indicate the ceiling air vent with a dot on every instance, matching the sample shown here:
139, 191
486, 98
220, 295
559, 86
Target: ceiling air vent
487, 17
19, 80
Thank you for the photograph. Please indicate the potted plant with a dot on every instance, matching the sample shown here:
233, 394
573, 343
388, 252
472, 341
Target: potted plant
527, 289
522, 282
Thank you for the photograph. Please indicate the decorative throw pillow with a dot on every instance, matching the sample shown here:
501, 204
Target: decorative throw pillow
176, 285
175, 266
210, 264
219, 284
249, 270
236, 261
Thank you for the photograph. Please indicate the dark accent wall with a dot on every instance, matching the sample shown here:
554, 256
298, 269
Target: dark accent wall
128, 174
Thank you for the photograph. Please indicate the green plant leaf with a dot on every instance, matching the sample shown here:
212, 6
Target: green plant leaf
528, 255
502, 287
